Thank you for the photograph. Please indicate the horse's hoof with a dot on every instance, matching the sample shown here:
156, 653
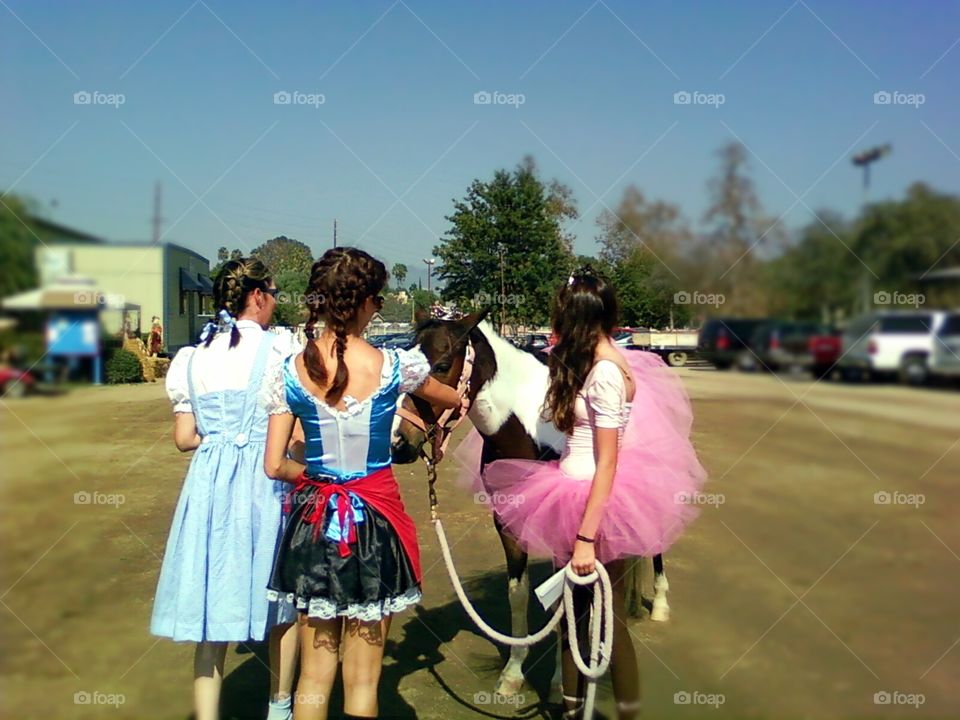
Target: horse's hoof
509, 685
660, 613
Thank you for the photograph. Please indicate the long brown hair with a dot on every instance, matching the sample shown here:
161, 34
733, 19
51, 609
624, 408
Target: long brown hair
584, 312
340, 282
235, 281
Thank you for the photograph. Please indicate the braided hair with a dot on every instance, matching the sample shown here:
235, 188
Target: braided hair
233, 284
340, 282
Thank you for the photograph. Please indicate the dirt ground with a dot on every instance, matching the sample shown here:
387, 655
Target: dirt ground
799, 593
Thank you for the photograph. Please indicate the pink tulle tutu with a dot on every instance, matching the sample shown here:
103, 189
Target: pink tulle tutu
657, 478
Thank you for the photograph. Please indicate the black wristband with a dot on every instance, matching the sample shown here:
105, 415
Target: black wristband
584, 539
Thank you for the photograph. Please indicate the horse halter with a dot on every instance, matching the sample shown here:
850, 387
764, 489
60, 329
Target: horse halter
439, 433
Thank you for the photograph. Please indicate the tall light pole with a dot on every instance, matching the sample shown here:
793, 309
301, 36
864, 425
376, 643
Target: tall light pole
864, 160
503, 290
429, 262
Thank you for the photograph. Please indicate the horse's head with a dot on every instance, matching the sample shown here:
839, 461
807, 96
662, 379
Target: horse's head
444, 342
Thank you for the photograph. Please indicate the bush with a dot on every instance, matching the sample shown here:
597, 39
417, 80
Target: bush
123, 367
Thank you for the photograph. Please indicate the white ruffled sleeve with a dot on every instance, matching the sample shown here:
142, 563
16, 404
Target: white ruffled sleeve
273, 392
606, 395
178, 389
414, 369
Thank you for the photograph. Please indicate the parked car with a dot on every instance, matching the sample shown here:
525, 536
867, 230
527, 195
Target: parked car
891, 344
379, 340
15, 383
533, 342
780, 344
403, 341
825, 349
945, 356
723, 340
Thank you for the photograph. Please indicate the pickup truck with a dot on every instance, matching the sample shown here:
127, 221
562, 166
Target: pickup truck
891, 344
945, 358
674, 346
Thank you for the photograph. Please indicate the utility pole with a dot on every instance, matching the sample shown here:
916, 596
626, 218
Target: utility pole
503, 291
429, 262
864, 160
157, 209
334, 232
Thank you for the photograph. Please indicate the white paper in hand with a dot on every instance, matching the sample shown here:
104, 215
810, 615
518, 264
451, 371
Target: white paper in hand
550, 590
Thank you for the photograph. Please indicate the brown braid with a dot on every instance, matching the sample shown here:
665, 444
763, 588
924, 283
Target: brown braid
340, 282
235, 281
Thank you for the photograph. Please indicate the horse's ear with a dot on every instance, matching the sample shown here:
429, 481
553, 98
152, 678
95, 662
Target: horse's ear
419, 314
469, 322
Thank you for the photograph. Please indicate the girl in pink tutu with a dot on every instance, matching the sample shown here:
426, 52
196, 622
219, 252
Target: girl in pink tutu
623, 484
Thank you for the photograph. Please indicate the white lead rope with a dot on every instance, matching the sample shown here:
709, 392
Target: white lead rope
601, 640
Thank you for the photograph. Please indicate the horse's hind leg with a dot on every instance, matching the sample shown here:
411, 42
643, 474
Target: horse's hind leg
518, 591
661, 609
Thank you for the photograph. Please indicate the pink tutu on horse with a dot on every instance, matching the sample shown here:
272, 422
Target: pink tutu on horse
657, 480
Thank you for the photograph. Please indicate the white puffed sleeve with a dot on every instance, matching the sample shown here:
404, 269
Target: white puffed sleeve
606, 395
273, 392
178, 389
414, 369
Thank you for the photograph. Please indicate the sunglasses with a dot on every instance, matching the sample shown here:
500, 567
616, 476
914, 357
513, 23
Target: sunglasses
378, 301
272, 291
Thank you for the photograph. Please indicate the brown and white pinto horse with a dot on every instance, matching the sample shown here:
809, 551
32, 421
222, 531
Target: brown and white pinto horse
507, 388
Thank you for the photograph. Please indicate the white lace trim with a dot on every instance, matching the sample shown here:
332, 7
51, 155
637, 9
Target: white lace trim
326, 609
414, 368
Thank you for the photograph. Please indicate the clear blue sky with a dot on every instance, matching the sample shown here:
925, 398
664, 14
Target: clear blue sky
399, 79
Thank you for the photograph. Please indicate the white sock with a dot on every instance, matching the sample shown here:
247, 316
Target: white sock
281, 709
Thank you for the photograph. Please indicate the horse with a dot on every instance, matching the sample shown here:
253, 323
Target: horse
506, 392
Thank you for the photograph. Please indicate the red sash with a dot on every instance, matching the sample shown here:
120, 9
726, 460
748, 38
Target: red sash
380, 491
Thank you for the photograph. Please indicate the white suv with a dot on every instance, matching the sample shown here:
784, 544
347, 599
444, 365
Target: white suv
891, 343
945, 358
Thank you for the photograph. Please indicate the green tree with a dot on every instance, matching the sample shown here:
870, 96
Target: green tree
399, 273
519, 216
18, 238
290, 262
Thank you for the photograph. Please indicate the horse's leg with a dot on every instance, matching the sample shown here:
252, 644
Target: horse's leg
661, 609
518, 591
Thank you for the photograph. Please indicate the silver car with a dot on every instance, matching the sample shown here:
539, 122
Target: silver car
945, 356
